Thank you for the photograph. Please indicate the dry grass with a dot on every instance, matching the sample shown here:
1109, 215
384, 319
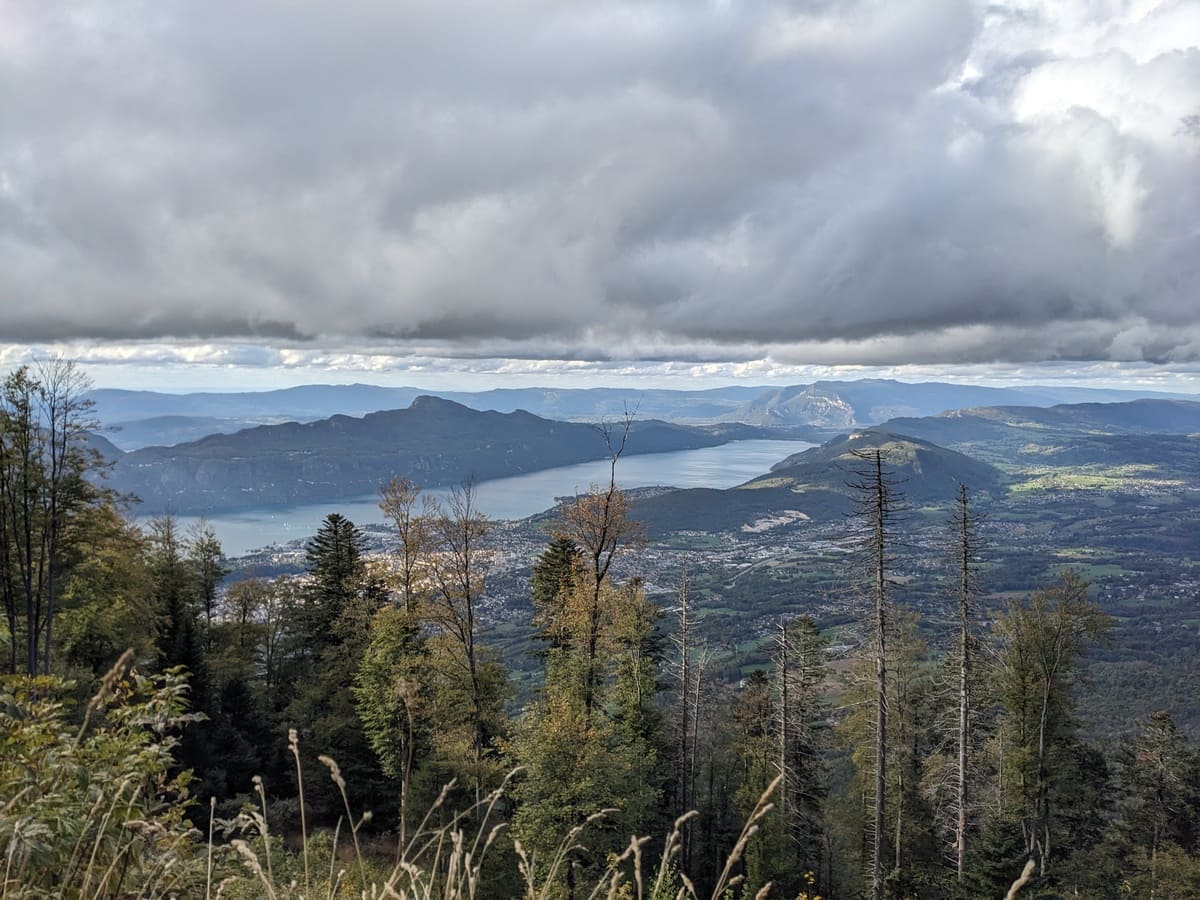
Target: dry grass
90, 811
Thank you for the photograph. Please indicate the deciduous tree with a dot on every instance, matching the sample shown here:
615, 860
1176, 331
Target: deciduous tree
45, 462
1040, 645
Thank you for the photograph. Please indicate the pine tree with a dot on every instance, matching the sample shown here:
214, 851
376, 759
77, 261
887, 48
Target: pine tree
178, 645
877, 505
335, 565
326, 644
1159, 803
178, 642
557, 575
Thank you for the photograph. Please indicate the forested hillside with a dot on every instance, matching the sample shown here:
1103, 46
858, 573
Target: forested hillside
900, 721
436, 441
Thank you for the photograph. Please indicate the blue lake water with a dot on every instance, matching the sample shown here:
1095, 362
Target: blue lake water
520, 495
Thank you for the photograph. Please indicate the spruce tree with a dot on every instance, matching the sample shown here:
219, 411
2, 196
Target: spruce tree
878, 503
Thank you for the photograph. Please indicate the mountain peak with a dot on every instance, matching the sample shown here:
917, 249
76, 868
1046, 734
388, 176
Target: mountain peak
430, 403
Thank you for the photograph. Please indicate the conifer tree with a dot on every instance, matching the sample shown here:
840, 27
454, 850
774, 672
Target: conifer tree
877, 507
556, 577
178, 641
335, 565
326, 644
1160, 803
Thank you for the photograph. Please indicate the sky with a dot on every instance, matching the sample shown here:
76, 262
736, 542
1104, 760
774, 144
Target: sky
243, 194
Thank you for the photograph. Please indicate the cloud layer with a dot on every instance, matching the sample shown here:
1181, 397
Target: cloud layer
846, 182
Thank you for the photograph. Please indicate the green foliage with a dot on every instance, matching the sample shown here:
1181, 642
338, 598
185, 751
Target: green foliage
1041, 642
592, 740
399, 686
387, 688
335, 563
92, 808
997, 856
106, 600
205, 559
577, 764
45, 494
557, 573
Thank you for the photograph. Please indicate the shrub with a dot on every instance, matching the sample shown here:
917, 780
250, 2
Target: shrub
93, 809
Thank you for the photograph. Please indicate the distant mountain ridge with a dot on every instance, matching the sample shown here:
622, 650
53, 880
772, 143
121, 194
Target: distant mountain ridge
933, 454
434, 441
853, 404
134, 419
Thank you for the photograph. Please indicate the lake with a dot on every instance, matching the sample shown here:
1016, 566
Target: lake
518, 496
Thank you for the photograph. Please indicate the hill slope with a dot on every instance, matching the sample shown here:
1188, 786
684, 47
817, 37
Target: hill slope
814, 485
434, 442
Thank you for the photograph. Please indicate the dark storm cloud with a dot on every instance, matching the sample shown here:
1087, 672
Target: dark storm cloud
849, 182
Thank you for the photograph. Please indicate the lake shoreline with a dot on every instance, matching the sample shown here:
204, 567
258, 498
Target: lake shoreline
517, 497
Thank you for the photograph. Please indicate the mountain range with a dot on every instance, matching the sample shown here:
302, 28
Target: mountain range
988, 449
133, 419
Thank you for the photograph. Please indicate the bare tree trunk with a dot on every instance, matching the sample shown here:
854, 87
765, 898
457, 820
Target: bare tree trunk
784, 715
876, 508
1041, 828
964, 522
685, 649
697, 681
880, 586
897, 843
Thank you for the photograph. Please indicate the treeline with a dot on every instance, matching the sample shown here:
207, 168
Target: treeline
894, 772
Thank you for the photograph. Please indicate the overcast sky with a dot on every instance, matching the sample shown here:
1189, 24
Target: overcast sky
290, 190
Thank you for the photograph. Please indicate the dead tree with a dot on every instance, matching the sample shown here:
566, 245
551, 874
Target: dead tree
799, 670
683, 645
966, 545
876, 509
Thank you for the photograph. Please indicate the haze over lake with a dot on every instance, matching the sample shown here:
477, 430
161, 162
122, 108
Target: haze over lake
521, 495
